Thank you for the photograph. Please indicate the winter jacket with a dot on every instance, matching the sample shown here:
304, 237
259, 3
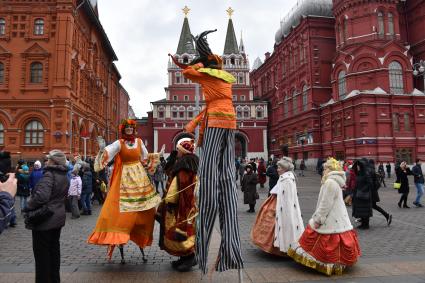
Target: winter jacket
249, 187
51, 190
23, 184
75, 186
417, 171
362, 196
6, 206
35, 176
87, 182
331, 212
402, 178
273, 176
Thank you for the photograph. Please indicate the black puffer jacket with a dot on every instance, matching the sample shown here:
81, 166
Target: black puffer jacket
51, 190
362, 197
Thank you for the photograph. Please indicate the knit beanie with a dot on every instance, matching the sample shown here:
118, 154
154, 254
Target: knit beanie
57, 156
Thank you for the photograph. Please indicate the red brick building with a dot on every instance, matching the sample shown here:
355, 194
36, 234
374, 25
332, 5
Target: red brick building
340, 79
179, 107
58, 83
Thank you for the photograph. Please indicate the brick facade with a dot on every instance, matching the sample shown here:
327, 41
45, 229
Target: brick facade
354, 59
58, 82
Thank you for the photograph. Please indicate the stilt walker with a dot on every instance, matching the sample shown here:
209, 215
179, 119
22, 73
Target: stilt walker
217, 187
129, 209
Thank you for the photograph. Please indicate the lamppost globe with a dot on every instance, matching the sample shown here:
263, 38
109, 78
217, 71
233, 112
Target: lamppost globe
415, 72
421, 68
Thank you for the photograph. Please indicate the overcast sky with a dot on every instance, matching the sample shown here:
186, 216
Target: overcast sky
143, 32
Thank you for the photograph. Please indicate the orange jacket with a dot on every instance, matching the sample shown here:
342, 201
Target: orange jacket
219, 111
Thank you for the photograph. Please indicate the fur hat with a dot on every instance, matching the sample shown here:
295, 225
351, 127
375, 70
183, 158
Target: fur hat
186, 145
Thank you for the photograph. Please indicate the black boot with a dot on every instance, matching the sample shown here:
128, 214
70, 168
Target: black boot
187, 262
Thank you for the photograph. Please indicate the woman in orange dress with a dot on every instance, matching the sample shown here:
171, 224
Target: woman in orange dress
129, 209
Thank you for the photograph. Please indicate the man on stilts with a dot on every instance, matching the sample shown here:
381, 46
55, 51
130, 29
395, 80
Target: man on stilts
217, 187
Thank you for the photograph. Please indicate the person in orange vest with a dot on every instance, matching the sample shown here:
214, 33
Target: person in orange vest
217, 186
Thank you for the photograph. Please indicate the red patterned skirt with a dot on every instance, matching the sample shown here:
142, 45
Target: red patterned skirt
327, 253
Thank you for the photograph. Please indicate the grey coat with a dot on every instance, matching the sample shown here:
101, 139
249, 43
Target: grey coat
51, 190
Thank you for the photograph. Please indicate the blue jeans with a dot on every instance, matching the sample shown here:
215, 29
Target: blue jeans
23, 201
419, 192
86, 201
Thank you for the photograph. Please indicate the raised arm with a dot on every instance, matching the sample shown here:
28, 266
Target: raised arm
106, 154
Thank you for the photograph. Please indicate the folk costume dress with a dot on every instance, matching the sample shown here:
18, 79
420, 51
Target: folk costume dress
332, 246
179, 209
289, 222
279, 222
129, 209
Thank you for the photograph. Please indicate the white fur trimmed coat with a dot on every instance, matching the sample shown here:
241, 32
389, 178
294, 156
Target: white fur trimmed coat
331, 212
289, 223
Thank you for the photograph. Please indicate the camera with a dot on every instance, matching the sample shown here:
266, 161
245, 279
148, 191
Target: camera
5, 165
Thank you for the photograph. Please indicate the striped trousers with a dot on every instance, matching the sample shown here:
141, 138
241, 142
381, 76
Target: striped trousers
217, 192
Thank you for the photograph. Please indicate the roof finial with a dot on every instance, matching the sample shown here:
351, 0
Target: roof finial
185, 11
230, 12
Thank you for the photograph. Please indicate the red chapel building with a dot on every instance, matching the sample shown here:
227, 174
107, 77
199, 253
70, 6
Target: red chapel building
345, 79
171, 114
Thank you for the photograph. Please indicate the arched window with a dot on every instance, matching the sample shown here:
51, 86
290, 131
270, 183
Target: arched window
39, 27
390, 24
305, 98
260, 112
294, 102
286, 106
2, 26
185, 60
161, 112
342, 87
1, 134
182, 111
396, 78
174, 111
34, 133
381, 30
1, 73
190, 111
36, 72
241, 80
178, 77
239, 112
246, 113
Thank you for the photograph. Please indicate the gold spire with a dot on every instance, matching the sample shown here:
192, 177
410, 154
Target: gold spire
185, 11
230, 12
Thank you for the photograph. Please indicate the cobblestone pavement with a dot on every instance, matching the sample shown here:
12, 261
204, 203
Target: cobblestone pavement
389, 254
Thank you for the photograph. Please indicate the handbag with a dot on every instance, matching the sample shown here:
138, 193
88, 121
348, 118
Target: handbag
257, 196
39, 215
397, 186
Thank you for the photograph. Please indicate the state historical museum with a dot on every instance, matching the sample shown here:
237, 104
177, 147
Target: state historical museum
346, 79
